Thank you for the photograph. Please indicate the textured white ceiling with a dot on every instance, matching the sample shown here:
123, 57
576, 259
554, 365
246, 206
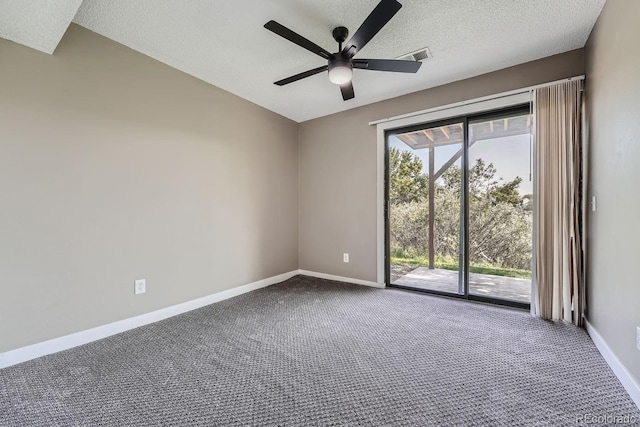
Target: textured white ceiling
225, 44
39, 24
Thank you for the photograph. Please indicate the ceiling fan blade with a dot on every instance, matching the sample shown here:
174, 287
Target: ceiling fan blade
393, 65
296, 38
301, 76
384, 11
347, 91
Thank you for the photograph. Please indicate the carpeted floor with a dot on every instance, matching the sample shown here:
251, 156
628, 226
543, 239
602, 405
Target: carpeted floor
314, 352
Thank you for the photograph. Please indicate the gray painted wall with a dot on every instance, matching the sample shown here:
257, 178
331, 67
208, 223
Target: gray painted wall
338, 165
613, 101
115, 167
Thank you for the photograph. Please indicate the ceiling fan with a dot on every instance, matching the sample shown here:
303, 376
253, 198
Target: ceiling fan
341, 64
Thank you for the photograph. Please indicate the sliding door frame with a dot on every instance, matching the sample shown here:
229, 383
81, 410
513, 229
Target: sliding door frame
387, 205
463, 258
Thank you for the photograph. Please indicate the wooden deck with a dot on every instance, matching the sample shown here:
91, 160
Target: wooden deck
507, 288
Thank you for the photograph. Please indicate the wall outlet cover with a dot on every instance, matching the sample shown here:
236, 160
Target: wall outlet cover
345, 257
140, 286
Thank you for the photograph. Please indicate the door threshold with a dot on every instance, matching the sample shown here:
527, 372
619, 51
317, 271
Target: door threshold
472, 298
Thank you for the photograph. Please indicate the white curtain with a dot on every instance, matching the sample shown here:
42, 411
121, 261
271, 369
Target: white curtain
559, 158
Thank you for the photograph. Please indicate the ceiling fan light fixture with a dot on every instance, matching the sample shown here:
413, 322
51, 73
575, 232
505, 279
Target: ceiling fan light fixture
340, 64
340, 71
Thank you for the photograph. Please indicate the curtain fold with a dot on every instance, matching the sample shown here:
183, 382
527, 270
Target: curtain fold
559, 159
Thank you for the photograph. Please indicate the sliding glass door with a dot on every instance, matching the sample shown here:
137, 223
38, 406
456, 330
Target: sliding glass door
500, 207
425, 191
460, 205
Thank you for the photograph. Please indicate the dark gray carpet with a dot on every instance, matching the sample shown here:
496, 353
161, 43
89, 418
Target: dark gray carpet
313, 352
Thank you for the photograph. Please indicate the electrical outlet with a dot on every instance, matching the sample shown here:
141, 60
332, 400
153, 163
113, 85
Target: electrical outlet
638, 337
345, 257
140, 286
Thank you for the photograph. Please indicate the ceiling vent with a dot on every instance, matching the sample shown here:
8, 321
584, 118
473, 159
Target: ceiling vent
418, 55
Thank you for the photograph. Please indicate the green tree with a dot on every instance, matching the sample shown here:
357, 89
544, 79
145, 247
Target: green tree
451, 178
482, 179
408, 225
527, 202
407, 182
508, 192
482, 183
500, 221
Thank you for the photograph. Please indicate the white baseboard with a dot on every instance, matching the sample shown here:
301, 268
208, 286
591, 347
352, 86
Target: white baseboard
616, 366
55, 345
341, 279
